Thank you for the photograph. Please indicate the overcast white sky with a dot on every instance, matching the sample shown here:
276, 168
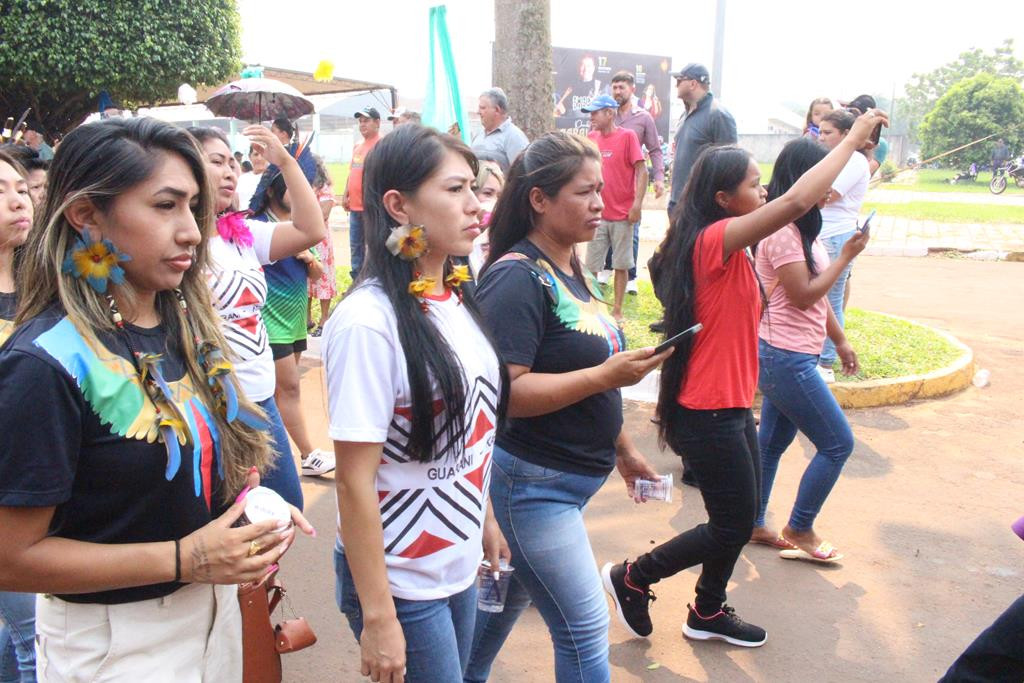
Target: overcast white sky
775, 50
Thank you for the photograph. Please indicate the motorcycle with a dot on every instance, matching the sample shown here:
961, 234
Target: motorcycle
1001, 176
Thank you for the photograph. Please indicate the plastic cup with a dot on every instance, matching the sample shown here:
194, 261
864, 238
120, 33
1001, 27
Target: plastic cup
262, 503
491, 592
656, 489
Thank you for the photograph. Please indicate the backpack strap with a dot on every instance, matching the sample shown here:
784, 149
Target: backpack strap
546, 279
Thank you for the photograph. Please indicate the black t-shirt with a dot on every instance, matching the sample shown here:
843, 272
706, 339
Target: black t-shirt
8, 307
73, 427
577, 332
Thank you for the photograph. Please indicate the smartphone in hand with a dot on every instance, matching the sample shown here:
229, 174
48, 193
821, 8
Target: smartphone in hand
866, 228
674, 341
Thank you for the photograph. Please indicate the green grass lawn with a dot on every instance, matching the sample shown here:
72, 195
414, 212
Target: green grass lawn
947, 212
937, 180
339, 176
888, 347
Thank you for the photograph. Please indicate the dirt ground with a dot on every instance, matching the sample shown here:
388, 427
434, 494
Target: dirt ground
922, 512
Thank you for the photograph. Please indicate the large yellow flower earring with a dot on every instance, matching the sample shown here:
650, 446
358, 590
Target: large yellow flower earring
95, 261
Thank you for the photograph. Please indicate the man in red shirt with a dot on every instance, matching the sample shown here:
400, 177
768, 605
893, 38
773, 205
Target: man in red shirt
625, 182
352, 199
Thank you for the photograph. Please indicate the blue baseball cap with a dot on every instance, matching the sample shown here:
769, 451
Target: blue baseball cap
600, 102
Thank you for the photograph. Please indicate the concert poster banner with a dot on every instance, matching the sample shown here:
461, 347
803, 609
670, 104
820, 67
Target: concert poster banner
581, 75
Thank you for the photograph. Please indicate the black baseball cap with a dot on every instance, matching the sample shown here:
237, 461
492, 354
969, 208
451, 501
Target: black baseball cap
695, 71
368, 112
861, 102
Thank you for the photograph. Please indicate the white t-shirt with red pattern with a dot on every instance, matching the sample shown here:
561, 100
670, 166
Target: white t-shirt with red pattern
238, 291
432, 513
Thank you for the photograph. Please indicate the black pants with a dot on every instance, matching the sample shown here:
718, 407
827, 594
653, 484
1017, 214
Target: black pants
995, 655
720, 448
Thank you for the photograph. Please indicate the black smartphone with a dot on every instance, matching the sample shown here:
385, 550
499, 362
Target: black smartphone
866, 228
674, 341
876, 134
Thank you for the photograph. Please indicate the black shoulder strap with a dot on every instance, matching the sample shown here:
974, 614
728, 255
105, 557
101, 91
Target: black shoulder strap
545, 278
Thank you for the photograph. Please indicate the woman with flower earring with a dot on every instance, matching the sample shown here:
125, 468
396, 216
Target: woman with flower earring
239, 249
414, 451
126, 449
17, 610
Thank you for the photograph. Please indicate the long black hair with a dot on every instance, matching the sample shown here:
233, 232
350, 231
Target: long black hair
403, 160
795, 159
717, 169
549, 163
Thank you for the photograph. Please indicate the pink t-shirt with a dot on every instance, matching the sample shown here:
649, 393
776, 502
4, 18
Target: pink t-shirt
785, 326
619, 153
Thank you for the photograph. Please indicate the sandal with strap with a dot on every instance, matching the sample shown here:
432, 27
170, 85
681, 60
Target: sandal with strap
825, 553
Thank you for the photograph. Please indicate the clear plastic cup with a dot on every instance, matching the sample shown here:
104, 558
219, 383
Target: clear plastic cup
654, 489
491, 591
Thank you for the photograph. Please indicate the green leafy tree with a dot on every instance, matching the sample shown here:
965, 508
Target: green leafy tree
57, 55
924, 90
972, 109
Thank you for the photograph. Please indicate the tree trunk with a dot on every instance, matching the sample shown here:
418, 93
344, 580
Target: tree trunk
522, 63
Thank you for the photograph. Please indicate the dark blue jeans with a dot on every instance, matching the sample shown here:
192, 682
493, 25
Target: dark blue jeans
797, 398
636, 253
282, 477
996, 655
720, 448
438, 633
356, 241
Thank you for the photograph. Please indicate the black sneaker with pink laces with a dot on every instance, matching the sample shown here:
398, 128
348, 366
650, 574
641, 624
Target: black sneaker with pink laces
632, 600
723, 625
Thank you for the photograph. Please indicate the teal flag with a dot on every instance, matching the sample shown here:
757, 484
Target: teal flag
443, 105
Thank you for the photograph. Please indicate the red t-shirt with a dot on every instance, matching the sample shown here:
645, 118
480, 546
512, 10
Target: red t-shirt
355, 173
722, 372
619, 153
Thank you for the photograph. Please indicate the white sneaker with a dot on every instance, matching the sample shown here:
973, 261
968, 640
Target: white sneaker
603, 276
827, 374
317, 463
631, 287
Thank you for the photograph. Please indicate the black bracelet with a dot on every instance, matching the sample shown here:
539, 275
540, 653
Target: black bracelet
177, 560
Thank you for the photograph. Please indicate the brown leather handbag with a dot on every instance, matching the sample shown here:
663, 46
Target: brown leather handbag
262, 642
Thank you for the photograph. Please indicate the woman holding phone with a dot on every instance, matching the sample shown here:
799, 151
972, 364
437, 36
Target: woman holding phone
839, 219
707, 386
796, 273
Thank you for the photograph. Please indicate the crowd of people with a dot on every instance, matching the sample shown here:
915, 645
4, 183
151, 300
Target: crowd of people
155, 302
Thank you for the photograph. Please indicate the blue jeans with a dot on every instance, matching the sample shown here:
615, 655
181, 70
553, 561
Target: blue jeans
834, 245
17, 637
636, 253
797, 398
282, 477
437, 633
540, 512
356, 241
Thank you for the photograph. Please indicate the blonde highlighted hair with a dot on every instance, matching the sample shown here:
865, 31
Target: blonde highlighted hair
97, 162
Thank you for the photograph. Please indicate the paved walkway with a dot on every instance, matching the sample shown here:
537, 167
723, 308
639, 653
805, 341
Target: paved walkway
922, 511
889, 195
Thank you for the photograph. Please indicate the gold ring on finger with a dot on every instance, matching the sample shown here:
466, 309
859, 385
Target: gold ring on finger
254, 548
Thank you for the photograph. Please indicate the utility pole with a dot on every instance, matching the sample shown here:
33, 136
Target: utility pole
716, 65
